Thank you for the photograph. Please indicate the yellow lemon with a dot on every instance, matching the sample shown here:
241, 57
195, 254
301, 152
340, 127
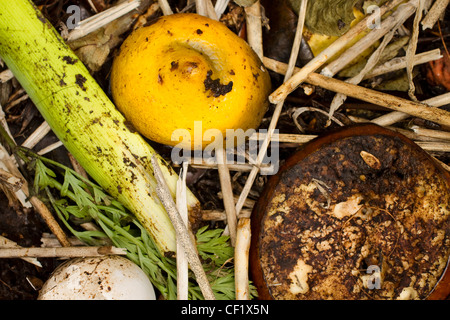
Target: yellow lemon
187, 72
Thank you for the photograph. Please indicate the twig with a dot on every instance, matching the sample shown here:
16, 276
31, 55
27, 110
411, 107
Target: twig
215, 215
11, 181
285, 137
411, 50
6, 76
205, 8
34, 138
50, 148
434, 14
182, 233
241, 262
220, 7
287, 87
379, 98
165, 7
101, 19
438, 134
6, 243
396, 116
60, 252
254, 28
273, 122
4, 123
400, 63
182, 262
434, 146
227, 194
48, 240
50, 221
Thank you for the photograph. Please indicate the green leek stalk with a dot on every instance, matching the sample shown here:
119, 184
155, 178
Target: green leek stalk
84, 118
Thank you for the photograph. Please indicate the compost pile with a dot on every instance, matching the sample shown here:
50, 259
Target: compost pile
307, 112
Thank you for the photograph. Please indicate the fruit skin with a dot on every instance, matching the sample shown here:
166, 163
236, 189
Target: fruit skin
185, 68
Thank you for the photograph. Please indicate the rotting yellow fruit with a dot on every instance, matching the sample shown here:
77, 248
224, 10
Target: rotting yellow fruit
183, 69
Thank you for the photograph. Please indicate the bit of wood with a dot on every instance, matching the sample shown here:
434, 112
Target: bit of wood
11, 181
50, 220
6, 243
436, 11
37, 135
60, 252
227, 194
215, 215
400, 63
165, 7
181, 259
254, 28
241, 259
182, 233
101, 19
396, 116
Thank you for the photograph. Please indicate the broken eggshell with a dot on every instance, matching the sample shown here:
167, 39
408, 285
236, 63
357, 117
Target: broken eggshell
358, 213
98, 278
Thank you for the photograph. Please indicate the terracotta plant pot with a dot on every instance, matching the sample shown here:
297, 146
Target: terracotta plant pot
359, 213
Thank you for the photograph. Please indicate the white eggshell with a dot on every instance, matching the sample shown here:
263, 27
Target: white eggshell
98, 278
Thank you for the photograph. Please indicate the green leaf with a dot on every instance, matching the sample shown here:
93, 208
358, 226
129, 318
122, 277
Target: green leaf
328, 17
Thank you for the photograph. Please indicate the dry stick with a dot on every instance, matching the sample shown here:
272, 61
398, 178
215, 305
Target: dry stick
411, 50
201, 7
273, 122
220, 7
241, 256
182, 233
6, 243
182, 262
37, 135
50, 221
434, 146
101, 19
227, 194
231, 167
379, 98
396, 116
434, 14
11, 181
400, 63
403, 12
211, 12
215, 215
50, 148
6, 76
60, 252
165, 7
286, 88
438, 134
254, 28
4, 123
